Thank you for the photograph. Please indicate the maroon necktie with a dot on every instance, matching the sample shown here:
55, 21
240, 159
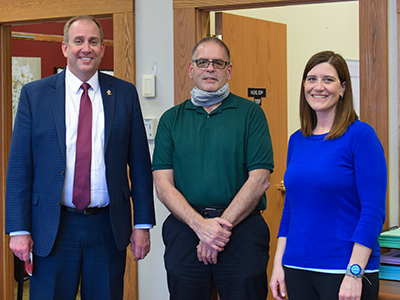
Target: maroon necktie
81, 189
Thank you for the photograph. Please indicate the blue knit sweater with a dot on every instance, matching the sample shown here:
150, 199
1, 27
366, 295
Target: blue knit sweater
335, 196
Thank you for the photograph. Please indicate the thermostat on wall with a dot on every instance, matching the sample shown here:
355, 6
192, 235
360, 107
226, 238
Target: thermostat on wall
150, 125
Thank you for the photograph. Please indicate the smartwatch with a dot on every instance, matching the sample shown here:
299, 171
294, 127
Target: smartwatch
356, 270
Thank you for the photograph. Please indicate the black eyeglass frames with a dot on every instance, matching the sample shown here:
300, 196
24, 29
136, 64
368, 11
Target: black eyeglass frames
216, 63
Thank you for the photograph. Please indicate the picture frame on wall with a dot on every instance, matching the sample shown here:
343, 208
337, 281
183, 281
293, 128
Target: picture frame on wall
24, 70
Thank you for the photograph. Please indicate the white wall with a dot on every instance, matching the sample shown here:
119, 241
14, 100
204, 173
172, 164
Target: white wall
311, 28
393, 190
154, 45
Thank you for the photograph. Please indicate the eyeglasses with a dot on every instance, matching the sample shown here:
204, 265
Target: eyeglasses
216, 63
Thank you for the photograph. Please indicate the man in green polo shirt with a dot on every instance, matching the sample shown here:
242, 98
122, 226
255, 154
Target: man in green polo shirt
211, 166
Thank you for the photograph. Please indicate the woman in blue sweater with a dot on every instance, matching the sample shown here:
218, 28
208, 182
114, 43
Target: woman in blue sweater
335, 183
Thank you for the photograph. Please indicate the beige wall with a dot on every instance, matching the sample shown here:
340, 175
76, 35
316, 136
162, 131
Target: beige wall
310, 29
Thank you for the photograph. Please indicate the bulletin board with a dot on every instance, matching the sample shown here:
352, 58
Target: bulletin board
354, 69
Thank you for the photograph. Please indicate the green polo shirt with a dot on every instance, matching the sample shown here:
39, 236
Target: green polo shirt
212, 154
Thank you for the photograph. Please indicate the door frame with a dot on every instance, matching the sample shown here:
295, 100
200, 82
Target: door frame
28, 11
191, 23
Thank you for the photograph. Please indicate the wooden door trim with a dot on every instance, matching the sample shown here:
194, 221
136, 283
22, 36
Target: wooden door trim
52, 38
374, 76
6, 256
25, 12
212, 5
373, 41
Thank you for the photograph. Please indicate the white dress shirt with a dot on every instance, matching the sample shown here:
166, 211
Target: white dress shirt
99, 192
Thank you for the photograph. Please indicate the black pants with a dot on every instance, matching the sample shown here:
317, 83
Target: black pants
308, 285
240, 273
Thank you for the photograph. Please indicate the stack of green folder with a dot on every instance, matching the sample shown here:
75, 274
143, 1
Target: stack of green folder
390, 239
390, 261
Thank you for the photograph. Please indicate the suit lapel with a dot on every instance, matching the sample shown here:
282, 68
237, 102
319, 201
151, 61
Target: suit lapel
108, 94
57, 96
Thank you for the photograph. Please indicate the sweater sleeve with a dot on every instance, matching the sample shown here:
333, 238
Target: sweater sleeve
371, 180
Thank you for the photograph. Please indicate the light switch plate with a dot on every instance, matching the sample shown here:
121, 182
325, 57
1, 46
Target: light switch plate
149, 85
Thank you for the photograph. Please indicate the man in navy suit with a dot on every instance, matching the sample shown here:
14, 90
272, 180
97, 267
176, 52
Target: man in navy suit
71, 244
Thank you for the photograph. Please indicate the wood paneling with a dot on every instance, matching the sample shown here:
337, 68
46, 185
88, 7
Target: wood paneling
124, 68
29, 10
184, 39
374, 70
131, 277
6, 256
124, 46
46, 38
203, 24
186, 35
373, 66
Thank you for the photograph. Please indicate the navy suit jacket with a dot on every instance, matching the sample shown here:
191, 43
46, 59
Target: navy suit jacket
37, 161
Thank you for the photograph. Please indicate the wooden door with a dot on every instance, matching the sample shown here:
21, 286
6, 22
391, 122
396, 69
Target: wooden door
258, 55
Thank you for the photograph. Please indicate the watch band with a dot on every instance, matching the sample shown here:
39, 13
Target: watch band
355, 270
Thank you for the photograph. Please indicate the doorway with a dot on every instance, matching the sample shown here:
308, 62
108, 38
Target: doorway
317, 30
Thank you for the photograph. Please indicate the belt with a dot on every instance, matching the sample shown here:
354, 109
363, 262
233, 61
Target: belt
87, 210
212, 212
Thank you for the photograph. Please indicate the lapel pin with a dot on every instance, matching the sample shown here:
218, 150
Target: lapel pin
108, 93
